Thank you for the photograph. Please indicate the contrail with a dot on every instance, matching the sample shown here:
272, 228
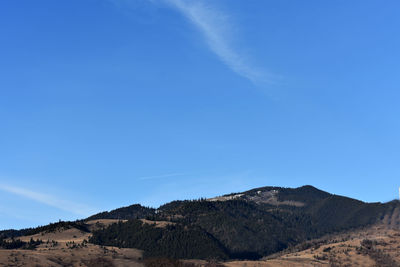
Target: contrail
160, 176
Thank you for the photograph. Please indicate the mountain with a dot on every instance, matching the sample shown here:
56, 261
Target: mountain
245, 225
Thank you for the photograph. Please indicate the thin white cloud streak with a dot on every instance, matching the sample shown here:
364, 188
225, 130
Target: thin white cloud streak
48, 200
160, 176
217, 31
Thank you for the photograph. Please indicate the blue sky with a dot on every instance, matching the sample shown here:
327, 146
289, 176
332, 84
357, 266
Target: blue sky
106, 103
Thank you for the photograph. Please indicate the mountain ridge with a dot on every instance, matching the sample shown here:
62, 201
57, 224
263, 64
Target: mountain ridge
245, 225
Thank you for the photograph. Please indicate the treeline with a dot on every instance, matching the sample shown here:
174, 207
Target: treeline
19, 244
135, 211
50, 228
61, 225
173, 241
240, 229
234, 229
247, 230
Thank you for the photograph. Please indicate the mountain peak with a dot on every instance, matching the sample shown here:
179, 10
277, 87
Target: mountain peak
276, 196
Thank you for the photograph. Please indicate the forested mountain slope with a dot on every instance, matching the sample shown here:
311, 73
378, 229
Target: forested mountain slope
247, 225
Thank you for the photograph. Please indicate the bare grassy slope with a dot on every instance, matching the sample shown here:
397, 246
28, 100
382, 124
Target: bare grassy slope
67, 247
378, 245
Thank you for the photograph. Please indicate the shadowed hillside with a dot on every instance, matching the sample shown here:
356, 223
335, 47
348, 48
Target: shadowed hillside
247, 225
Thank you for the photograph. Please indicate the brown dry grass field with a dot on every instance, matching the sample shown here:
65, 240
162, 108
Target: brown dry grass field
62, 250
373, 246
377, 245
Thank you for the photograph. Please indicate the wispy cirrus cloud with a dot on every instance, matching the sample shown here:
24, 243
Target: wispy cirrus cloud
48, 200
217, 31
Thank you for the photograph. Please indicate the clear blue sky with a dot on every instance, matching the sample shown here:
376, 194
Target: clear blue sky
106, 103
